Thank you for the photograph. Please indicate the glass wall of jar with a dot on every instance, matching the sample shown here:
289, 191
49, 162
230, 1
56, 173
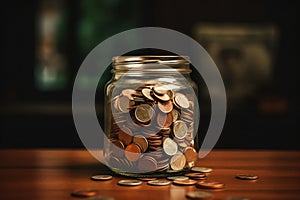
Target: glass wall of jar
151, 115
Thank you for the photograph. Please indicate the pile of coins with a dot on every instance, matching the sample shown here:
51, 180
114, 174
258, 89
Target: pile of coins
152, 129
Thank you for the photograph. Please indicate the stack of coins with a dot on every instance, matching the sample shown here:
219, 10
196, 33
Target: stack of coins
151, 130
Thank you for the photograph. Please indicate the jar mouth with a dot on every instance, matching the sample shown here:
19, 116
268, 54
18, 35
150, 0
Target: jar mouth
152, 63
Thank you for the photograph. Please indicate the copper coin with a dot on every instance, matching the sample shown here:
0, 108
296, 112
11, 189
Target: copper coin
128, 93
147, 164
164, 120
190, 154
175, 114
141, 141
147, 93
210, 185
199, 195
118, 148
132, 152
85, 193
198, 176
143, 113
123, 104
163, 97
170, 147
178, 161
160, 90
181, 100
125, 135
246, 177
185, 182
179, 129
129, 182
165, 106
101, 177
101, 198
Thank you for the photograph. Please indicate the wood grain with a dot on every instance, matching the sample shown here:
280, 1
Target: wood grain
54, 174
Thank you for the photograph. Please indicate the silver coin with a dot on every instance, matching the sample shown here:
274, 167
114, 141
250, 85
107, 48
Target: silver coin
202, 169
177, 178
101, 177
198, 195
129, 182
101, 198
159, 182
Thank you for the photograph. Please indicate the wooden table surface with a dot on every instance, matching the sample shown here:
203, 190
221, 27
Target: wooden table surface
54, 174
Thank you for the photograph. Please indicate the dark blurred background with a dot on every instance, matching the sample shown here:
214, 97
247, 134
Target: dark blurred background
254, 43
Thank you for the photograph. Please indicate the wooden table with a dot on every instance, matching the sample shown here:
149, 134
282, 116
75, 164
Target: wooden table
54, 174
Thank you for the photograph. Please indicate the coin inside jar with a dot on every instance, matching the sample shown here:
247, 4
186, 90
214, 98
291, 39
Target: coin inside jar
165, 106
178, 161
141, 141
170, 147
125, 135
179, 129
147, 93
132, 152
181, 100
144, 113
164, 120
190, 154
147, 164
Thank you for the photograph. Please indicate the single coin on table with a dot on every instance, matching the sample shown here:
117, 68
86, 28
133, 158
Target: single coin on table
185, 182
177, 178
101, 177
159, 182
246, 177
85, 193
129, 182
237, 198
199, 195
210, 185
202, 169
101, 198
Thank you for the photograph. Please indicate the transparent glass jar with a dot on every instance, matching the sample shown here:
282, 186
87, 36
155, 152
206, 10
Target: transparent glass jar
151, 116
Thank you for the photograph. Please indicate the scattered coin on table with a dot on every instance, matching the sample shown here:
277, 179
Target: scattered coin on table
246, 177
202, 169
129, 182
177, 178
197, 176
147, 179
237, 198
210, 185
101, 177
199, 195
159, 182
185, 182
85, 193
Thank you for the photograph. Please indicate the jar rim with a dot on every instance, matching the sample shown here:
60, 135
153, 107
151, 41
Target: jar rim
141, 62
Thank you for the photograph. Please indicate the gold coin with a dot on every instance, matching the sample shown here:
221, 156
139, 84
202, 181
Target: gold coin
147, 93
128, 93
175, 114
170, 147
190, 154
141, 141
181, 100
210, 185
166, 106
179, 129
160, 90
163, 97
143, 113
178, 161
132, 152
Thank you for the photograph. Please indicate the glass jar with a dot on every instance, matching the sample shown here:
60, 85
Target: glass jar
151, 116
